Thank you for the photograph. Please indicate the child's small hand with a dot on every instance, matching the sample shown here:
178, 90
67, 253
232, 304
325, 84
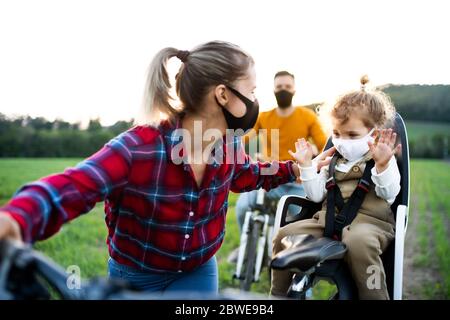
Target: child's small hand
303, 153
384, 149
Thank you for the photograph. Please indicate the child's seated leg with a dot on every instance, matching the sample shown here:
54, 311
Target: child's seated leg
366, 239
281, 279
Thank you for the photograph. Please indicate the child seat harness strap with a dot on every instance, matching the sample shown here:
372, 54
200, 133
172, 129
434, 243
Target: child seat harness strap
346, 211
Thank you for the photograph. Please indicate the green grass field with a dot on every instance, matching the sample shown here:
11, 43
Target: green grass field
431, 186
82, 242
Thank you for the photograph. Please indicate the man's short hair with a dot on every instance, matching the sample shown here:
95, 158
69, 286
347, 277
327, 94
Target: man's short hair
283, 73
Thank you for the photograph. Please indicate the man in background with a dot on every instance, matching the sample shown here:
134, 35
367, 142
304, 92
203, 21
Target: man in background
292, 123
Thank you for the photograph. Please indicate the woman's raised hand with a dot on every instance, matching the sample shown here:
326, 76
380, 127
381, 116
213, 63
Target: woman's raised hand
324, 158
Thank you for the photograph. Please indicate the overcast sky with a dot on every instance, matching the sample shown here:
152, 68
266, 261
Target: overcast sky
84, 59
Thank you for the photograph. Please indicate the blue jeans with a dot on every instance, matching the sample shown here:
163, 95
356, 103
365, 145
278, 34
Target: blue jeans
247, 200
202, 281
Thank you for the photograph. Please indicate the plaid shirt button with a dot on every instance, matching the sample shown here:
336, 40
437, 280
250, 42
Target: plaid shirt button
186, 236
191, 213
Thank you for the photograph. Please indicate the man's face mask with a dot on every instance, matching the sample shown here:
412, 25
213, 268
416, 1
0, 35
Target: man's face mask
248, 120
284, 98
353, 149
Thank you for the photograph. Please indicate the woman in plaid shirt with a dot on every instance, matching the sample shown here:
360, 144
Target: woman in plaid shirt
165, 188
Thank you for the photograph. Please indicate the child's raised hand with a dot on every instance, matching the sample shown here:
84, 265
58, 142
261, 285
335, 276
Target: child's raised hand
303, 153
384, 149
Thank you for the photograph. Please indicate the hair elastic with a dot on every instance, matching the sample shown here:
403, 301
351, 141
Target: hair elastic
182, 55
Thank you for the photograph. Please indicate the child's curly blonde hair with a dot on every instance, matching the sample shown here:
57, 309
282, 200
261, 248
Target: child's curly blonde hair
374, 107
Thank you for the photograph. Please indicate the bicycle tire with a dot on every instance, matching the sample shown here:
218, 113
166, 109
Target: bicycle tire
250, 257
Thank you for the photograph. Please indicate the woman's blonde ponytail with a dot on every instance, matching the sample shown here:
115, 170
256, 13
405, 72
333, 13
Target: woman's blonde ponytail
157, 98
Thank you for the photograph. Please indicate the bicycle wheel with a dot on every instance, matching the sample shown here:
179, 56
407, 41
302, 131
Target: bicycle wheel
250, 257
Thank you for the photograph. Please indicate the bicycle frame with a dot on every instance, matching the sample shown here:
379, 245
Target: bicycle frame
300, 284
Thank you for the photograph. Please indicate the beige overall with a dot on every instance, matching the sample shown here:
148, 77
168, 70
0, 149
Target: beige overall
366, 238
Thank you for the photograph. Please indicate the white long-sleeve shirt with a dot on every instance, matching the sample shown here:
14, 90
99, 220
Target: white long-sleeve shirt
387, 183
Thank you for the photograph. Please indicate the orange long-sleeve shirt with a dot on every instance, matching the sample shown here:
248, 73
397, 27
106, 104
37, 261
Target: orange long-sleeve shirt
301, 123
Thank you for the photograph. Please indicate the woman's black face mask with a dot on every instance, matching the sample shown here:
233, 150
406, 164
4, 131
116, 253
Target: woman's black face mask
248, 120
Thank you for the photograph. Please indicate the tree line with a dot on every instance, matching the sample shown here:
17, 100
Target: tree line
428, 104
421, 102
38, 137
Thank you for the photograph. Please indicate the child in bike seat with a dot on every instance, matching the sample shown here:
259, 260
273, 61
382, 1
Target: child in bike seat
359, 120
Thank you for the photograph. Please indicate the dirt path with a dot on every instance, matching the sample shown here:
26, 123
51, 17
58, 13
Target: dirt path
415, 277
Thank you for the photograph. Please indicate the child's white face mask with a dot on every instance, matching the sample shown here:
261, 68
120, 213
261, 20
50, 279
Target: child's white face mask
353, 149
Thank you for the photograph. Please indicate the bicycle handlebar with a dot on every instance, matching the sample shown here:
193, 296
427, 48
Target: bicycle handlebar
27, 274
22, 269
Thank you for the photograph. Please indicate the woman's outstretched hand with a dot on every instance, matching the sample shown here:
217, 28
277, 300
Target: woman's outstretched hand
304, 152
9, 228
324, 158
